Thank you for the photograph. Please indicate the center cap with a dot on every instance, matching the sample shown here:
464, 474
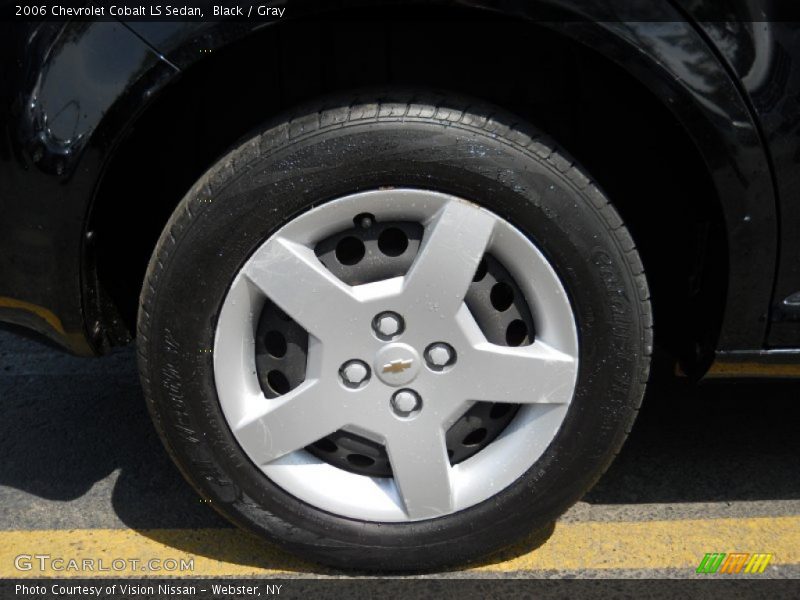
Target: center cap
396, 364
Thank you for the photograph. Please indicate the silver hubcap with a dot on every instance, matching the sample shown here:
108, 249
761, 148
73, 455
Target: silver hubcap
396, 361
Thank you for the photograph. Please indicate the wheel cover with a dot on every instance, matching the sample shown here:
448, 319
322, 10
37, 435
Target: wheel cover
539, 377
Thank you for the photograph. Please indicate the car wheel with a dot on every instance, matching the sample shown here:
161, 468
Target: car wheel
395, 332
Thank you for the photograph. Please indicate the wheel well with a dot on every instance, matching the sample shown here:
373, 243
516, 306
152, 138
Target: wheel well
621, 133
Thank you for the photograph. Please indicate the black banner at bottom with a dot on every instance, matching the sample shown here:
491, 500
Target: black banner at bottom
354, 588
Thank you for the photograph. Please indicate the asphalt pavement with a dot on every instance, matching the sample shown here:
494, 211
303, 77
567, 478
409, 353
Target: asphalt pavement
708, 468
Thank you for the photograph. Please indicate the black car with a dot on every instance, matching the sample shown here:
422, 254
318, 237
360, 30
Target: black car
395, 271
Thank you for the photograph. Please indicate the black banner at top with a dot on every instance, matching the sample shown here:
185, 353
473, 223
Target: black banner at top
272, 10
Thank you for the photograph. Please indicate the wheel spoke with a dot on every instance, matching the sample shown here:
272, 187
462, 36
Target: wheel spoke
536, 374
292, 276
421, 470
453, 246
297, 419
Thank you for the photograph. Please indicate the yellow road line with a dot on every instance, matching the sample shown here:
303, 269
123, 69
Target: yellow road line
40, 311
573, 546
658, 544
749, 369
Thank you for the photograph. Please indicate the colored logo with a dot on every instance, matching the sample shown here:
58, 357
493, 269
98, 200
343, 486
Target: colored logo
397, 366
735, 562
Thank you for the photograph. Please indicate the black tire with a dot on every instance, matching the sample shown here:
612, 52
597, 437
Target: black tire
334, 149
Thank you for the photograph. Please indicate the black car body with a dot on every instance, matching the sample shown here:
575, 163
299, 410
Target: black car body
106, 123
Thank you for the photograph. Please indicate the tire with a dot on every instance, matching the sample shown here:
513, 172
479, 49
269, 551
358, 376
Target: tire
369, 143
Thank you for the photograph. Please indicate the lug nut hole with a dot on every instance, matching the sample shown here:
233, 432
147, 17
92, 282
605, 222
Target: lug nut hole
499, 409
406, 403
516, 332
350, 250
501, 296
388, 325
439, 356
360, 460
392, 241
475, 437
354, 374
275, 343
326, 445
278, 382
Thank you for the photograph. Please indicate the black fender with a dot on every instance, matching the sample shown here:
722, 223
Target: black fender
668, 54
72, 89
653, 42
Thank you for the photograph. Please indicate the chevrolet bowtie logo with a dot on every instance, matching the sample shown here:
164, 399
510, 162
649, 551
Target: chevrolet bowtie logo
397, 366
